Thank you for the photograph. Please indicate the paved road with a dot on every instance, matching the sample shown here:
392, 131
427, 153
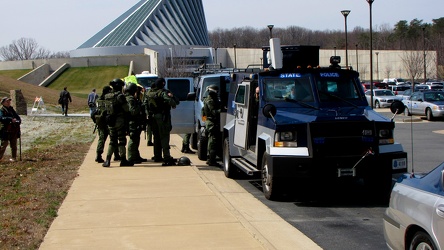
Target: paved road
343, 217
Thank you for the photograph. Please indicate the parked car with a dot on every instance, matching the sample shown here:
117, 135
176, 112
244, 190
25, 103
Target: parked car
408, 92
382, 98
399, 89
428, 103
393, 81
415, 216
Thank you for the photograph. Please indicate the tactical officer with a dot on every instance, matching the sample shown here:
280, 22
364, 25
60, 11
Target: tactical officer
136, 119
160, 103
99, 117
117, 112
211, 110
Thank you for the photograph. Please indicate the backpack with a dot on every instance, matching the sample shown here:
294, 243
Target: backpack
99, 115
155, 101
111, 105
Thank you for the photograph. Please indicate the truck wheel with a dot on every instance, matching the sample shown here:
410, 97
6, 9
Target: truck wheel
270, 186
193, 140
202, 145
429, 114
229, 169
379, 187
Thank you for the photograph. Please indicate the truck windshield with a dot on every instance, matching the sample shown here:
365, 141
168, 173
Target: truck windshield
338, 88
282, 89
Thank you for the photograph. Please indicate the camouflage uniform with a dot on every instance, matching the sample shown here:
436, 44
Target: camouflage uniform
211, 110
136, 119
117, 124
160, 103
103, 132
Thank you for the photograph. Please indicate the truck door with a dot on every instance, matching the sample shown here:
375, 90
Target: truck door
182, 117
241, 115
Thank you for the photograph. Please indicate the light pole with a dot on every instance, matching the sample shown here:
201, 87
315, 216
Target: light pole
215, 52
345, 13
270, 27
357, 58
335, 49
377, 65
235, 62
370, 2
424, 50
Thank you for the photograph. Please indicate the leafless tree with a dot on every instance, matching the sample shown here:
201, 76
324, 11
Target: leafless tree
23, 49
413, 62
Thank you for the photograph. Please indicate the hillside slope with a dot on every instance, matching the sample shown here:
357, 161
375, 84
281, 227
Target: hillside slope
30, 92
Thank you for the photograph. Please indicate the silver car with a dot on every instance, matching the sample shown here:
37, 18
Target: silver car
382, 98
427, 103
415, 216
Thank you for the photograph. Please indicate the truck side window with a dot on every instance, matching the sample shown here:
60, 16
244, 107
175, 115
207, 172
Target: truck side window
240, 95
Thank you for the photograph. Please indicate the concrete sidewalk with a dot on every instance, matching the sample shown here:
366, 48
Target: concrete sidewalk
153, 207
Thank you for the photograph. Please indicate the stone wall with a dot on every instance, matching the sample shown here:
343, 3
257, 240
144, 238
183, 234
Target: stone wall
18, 102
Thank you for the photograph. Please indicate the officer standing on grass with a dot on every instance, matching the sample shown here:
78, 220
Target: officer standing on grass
117, 114
99, 117
211, 110
9, 128
160, 103
136, 119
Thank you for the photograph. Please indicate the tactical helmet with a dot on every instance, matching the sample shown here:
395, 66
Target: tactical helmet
106, 90
131, 88
117, 82
160, 83
183, 161
213, 88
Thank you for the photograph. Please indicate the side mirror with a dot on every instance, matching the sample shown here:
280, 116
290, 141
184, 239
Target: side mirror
269, 111
191, 96
397, 107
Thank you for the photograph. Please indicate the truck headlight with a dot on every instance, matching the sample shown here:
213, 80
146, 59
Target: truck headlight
386, 137
285, 139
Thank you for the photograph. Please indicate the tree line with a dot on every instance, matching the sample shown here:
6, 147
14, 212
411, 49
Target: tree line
413, 35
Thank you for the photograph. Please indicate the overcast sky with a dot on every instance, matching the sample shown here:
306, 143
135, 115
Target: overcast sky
63, 25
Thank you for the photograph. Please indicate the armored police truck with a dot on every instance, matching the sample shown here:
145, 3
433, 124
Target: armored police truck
309, 124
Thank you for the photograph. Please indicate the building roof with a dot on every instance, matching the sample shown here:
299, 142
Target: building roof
155, 22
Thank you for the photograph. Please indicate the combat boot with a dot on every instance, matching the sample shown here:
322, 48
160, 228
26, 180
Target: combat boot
99, 159
186, 149
107, 163
125, 163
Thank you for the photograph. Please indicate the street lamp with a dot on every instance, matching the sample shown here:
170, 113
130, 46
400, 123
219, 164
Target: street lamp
377, 64
215, 52
235, 62
270, 27
357, 58
370, 2
345, 13
424, 49
335, 49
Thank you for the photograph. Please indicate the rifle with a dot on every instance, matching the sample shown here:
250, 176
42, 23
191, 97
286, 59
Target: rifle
95, 128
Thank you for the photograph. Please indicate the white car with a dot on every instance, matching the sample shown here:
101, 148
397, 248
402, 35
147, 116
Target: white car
382, 98
415, 216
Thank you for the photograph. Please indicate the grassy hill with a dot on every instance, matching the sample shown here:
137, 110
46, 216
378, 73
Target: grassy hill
80, 82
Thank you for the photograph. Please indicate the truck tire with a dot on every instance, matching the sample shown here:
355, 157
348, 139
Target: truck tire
193, 141
230, 169
270, 186
202, 145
